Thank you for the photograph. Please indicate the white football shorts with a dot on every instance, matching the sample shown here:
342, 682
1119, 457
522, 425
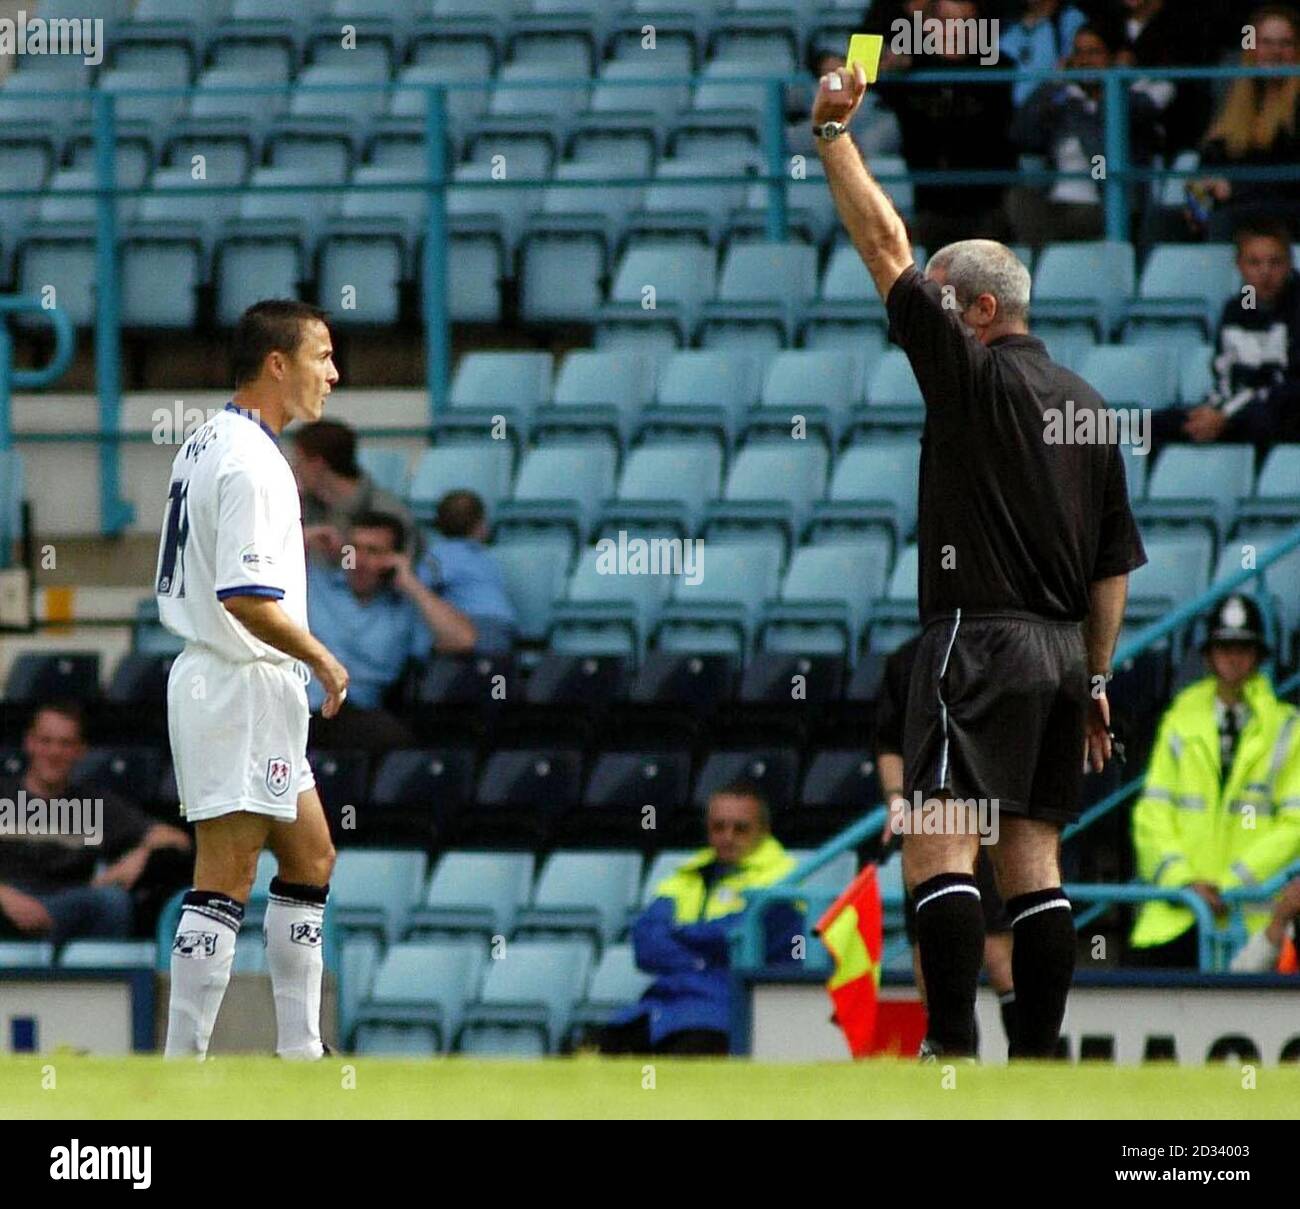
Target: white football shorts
238, 735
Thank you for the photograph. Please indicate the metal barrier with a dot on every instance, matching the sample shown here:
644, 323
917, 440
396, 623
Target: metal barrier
1119, 175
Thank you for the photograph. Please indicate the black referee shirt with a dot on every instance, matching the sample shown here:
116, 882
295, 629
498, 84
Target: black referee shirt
1006, 520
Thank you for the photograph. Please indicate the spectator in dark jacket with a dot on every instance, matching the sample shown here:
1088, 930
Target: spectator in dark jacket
49, 886
1158, 33
682, 937
1065, 121
1256, 395
951, 127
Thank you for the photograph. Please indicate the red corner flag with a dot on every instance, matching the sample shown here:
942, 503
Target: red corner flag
851, 930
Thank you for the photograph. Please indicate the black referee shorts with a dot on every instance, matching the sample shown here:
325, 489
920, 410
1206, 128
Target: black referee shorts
996, 709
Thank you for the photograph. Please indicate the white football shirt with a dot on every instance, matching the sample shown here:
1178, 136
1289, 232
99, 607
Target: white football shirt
233, 527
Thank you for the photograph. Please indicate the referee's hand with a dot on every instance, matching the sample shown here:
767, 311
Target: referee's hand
839, 95
1097, 744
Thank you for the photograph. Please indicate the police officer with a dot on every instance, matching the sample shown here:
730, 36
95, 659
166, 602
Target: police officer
1220, 808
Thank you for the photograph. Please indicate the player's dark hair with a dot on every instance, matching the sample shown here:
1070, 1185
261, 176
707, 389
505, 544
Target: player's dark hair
71, 710
743, 787
334, 442
459, 512
1265, 226
383, 520
273, 325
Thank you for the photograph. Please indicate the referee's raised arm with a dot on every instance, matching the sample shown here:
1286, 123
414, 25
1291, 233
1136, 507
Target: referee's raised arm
867, 213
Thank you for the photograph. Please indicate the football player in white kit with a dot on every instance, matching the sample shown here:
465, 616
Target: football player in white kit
232, 582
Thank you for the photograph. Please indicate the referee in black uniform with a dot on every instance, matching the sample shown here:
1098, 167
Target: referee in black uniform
1025, 550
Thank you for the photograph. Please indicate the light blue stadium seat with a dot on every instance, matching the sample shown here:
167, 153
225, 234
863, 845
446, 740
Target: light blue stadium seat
873, 486
66, 264
360, 278
825, 596
1086, 282
87, 954
148, 636
1177, 569
820, 385
605, 612
1277, 490
16, 954
721, 611
615, 983
533, 992
236, 101
520, 103
359, 958
514, 385
1281, 579
1200, 483
764, 284
29, 162
846, 292
640, 109
483, 466
166, 255
535, 571
679, 204
475, 893
664, 487
703, 391
771, 485
598, 393
387, 467
464, 105
373, 890
1195, 374
682, 277
810, 208
420, 988
246, 272
893, 396
583, 893
136, 110
560, 486
1185, 283
183, 208
250, 953
1066, 345
50, 118
1128, 375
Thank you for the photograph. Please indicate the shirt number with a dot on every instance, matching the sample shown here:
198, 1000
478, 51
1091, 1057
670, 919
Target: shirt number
171, 569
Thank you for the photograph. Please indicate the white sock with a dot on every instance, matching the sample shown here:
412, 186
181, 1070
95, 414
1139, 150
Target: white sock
294, 925
202, 954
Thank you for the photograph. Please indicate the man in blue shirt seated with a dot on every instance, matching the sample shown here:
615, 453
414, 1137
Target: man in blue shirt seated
373, 612
683, 936
463, 572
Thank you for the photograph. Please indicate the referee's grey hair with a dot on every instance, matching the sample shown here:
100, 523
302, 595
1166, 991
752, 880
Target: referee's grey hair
984, 266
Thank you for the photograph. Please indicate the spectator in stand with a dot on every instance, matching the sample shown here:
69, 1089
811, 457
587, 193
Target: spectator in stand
952, 127
1064, 120
1256, 395
335, 490
1158, 33
1220, 808
376, 616
1040, 40
463, 571
1256, 127
49, 887
682, 937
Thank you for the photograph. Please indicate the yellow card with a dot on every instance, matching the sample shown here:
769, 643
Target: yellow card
865, 49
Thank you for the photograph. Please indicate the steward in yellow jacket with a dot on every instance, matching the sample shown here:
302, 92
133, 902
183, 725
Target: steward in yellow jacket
1221, 805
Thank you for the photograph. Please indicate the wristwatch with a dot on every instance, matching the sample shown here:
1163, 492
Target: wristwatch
829, 131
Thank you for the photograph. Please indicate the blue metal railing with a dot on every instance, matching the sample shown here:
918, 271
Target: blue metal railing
748, 946
1119, 176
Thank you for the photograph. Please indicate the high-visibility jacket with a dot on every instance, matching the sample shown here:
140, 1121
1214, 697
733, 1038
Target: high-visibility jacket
1191, 825
683, 937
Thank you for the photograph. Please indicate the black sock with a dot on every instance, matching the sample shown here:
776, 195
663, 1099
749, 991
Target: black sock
950, 935
1007, 1005
1042, 966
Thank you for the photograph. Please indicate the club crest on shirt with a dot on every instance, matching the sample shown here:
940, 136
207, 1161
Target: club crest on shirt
277, 775
195, 944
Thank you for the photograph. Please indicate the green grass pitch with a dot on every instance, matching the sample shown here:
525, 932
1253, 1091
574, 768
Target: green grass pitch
344, 1087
